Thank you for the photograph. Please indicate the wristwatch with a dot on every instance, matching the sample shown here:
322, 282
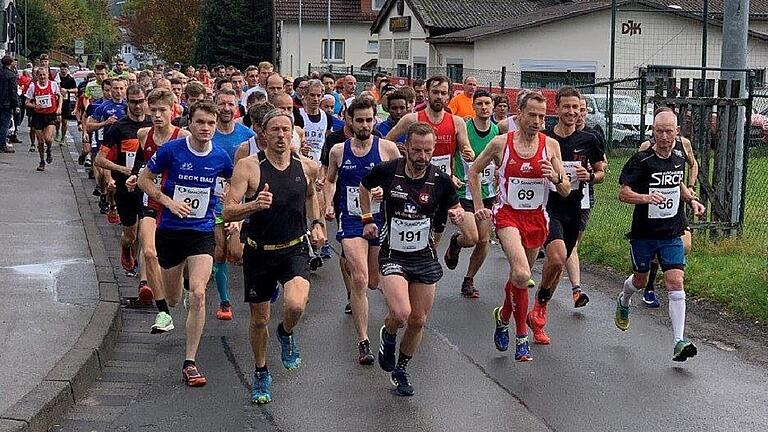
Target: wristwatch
317, 222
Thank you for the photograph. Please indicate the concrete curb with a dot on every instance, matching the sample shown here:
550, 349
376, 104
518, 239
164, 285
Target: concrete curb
73, 374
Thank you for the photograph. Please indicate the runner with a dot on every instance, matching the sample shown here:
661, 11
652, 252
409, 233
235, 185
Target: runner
229, 135
160, 103
530, 165
653, 181
349, 162
583, 162
481, 131
69, 93
184, 238
462, 104
257, 79
419, 88
329, 81
117, 155
45, 99
278, 192
193, 92
91, 140
349, 89
500, 108
450, 131
397, 106
682, 148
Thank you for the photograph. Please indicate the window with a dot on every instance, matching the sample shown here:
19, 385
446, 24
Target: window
377, 4
420, 71
337, 50
402, 70
373, 46
385, 48
127, 49
555, 80
653, 73
759, 77
455, 72
402, 49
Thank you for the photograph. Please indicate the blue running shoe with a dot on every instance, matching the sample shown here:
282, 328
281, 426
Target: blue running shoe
289, 352
501, 334
387, 350
522, 351
325, 251
399, 379
650, 300
261, 392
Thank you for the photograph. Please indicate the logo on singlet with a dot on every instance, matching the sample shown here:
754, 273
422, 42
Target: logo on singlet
186, 166
526, 167
423, 197
409, 208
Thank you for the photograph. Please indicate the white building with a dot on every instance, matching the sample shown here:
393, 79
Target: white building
351, 40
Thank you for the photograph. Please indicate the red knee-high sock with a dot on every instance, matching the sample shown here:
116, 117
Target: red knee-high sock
521, 310
509, 306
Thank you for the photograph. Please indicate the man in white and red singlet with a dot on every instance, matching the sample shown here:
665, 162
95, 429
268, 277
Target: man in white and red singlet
529, 164
44, 98
450, 131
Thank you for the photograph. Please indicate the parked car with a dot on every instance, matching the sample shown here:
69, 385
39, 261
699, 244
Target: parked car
626, 119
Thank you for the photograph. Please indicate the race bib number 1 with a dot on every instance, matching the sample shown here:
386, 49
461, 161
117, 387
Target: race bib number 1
409, 235
668, 208
525, 193
443, 163
196, 197
353, 202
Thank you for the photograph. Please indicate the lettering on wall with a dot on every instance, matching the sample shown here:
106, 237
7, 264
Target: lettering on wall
631, 28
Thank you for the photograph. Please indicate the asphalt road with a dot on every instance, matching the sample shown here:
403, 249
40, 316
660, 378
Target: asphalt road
592, 378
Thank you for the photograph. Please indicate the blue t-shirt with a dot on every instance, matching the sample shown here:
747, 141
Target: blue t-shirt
338, 103
386, 126
338, 124
105, 110
195, 178
230, 142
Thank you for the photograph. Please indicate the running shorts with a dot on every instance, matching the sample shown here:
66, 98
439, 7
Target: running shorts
532, 225
41, 121
413, 269
175, 246
352, 226
262, 270
468, 206
129, 206
585, 213
565, 228
670, 253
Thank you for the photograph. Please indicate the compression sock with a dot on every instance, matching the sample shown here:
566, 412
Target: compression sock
629, 289
652, 277
544, 295
402, 360
509, 305
281, 330
677, 313
521, 310
221, 274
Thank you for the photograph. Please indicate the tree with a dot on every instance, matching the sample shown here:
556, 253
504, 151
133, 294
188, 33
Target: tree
237, 32
169, 34
87, 20
41, 28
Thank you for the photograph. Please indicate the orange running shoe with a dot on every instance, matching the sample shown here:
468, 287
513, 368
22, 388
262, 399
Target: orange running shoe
112, 216
193, 377
145, 293
224, 313
537, 319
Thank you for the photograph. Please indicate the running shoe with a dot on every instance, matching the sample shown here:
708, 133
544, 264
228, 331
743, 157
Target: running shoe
650, 300
522, 350
451, 256
193, 377
145, 292
32, 148
684, 349
13, 139
468, 289
96, 192
112, 216
399, 379
387, 350
103, 205
531, 283
41, 166
501, 334
537, 319
81, 159
163, 323
88, 163
126, 260
224, 313
315, 263
348, 308
325, 251
580, 298
48, 156
289, 352
621, 319
365, 357
261, 391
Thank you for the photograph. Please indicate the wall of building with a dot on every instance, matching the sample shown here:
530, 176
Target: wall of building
418, 48
355, 35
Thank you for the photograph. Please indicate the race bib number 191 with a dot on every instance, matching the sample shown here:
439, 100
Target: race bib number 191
409, 235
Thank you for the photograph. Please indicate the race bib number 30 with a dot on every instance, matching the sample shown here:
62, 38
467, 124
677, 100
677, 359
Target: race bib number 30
409, 235
668, 208
353, 202
525, 193
197, 198
443, 163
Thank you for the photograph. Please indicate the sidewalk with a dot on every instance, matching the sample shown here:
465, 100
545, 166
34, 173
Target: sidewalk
54, 315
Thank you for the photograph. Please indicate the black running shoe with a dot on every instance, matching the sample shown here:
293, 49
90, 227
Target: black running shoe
365, 356
348, 308
96, 192
103, 205
451, 256
399, 379
387, 345
81, 159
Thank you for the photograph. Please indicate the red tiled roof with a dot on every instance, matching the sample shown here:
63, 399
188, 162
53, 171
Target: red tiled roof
317, 10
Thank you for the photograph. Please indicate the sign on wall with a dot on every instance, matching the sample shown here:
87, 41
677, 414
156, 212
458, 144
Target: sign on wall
400, 24
631, 28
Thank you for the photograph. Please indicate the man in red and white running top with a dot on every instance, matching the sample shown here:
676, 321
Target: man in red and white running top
161, 102
529, 164
44, 98
450, 130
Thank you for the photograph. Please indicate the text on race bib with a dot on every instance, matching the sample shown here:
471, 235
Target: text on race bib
219, 189
196, 197
44, 101
443, 163
409, 235
525, 193
669, 207
585, 199
570, 172
130, 159
353, 202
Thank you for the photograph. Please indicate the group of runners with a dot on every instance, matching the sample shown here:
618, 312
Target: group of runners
249, 168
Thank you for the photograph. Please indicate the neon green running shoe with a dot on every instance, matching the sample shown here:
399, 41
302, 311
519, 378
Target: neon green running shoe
163, 323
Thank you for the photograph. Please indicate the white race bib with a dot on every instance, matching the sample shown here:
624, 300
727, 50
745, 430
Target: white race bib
443, 163
44, 101
314, 153
585, 199
353, 202
130, 159
669, 207
409, 235
486, 177
156, 180
196, 197
570, 172
525, 193
219, 189
100, 135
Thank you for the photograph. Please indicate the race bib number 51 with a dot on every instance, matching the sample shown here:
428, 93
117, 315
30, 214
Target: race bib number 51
197, 198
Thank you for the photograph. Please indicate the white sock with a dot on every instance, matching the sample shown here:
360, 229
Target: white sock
629, 289
677, 313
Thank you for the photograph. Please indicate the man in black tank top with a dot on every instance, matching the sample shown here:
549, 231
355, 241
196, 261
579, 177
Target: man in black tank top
278, 198
416, 195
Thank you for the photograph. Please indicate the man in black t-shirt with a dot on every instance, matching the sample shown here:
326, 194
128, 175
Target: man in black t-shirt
69, 91
653, 180
583, 162
415, 194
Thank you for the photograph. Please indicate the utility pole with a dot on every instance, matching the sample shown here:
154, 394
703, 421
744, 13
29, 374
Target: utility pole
734, 55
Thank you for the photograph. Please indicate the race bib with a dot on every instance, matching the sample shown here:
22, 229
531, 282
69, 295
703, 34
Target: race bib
219, 189
353, 202
443, 163
44, 101
669, 207
100, 135
314, 153
486, 178
409, 235
196, 197
525, 193
156, 180
130, 159
585, 199
570, 172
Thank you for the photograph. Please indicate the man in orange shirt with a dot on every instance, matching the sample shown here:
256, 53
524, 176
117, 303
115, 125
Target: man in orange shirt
461, 104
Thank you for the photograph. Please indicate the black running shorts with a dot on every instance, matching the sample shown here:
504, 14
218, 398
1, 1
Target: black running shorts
565, 228
414, 269
262, 270
129, 206
175, 246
